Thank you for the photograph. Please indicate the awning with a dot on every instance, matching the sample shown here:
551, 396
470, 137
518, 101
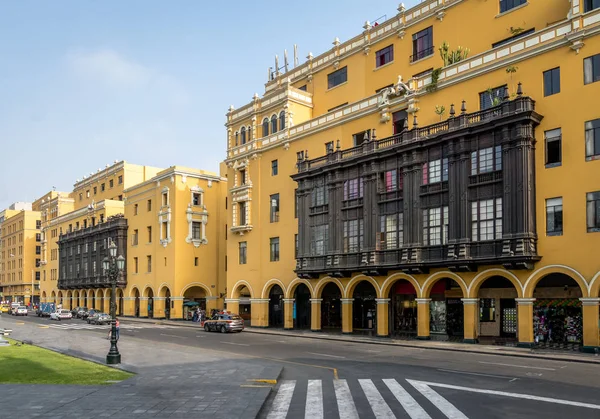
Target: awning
191, 304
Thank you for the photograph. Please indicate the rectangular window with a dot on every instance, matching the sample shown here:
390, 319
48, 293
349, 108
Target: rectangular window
390, 179
384, 56
195, 261
296, 246
319, 196
319, 239
435, 171
149, 205
120, 179
486, 160
591, 69
491, 97
353, 236
554, 217
361, 137
337, 77
242, 252
274, 168
243, 215
87, 193
242, 177
592, 139
80, 196
593, 212
486, 219
553, 140
300, 155
111, 183
134, 238
400, 121
135, 265
149, 228
506, 5
274, 199
149, 263
165, 199
197, 199
422, 44
38, 237
353, 189
552, 82
195, 230
102, 187
435, 226
164, 230
589, 5
392, 231
95, 190
135, 209
274, 248
38, 250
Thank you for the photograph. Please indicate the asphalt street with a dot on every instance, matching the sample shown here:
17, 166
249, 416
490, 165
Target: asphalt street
335, 379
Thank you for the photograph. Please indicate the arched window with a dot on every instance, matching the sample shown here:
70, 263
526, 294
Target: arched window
243, 135
273, 124
265, 127
282, 120
249, 133
237, 134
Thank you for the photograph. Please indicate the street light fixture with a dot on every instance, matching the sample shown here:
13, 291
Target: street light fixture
113, 267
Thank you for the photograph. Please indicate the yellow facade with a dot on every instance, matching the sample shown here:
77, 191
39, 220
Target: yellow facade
20, 253
558, 35
176, 242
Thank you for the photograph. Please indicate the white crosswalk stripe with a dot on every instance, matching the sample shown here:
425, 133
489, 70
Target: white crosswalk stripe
290, 390
85, 326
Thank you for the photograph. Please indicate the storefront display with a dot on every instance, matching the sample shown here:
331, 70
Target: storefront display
558, 320
438, 314
404, 314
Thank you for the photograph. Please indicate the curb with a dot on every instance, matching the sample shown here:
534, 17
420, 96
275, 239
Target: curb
316, 336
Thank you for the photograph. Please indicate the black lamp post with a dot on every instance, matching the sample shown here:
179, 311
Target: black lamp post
113, 267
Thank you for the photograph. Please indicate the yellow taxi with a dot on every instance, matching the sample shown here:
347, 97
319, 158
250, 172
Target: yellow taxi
4, 308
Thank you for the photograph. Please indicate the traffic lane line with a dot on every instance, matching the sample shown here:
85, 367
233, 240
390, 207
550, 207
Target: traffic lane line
511, 379
173, 336
233, 343
516, 366
327, 355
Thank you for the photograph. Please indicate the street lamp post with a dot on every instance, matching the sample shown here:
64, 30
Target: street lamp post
113, 267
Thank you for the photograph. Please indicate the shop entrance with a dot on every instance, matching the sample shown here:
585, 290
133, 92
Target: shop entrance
245, 306
497, 312
150, 303
364, 308
557, 313
403, 310
276, 306
119, 297
331, 307
137, 303
301, 310
446, 311
194, 299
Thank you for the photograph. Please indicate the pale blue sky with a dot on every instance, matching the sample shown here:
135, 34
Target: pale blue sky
84, 83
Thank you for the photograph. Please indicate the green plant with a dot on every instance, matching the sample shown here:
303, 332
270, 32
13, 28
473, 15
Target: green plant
435, 76
516, 31
495, 98
440, 110
450, 57
511, 71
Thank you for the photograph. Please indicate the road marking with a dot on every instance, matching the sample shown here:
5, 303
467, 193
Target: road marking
478, 374
314, 400
438, 401
378, 405
281, 403
262, 380
233, 343
518, 366
330, 356
506, 394
255, 386
345, 404
410, 405
173, 336
44, 327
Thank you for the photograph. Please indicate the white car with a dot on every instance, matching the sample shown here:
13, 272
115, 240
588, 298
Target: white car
21, 311
61, 315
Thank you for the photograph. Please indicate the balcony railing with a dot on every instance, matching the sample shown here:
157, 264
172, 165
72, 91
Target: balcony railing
409, 137
419, 55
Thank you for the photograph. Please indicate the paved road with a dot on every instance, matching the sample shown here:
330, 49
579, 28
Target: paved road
334, 379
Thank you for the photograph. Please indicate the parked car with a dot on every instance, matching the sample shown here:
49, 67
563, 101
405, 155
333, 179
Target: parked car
89, 313
45, 309
13, 308
61, 314
225, 322
75, 310
20, 311
99, 318
4, 308
82, 313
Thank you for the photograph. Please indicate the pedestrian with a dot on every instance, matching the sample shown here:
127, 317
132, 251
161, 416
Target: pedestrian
195, 316
117, 324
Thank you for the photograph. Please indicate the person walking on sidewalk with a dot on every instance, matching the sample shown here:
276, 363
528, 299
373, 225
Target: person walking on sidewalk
117, 327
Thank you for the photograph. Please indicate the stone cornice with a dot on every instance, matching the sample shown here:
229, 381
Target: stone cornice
111, 170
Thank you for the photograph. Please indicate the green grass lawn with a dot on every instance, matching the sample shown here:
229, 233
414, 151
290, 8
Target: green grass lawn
26, 364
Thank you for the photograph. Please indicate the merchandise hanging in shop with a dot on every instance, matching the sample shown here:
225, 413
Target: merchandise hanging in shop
558, 320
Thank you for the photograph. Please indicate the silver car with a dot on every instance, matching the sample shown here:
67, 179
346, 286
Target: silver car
224, 322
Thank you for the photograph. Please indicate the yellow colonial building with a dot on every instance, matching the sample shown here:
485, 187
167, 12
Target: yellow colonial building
425, 179
20, 249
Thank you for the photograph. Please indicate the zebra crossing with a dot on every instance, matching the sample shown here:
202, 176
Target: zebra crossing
375, 392
85, 326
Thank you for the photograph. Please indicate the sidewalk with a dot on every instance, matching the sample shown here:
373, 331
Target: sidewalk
422, 344
172, 381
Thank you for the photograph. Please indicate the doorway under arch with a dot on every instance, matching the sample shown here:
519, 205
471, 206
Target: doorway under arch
403, 309
150, 296
497, 311
193, 298
364, 308
136, 305
276, 306
331, 307
301, 313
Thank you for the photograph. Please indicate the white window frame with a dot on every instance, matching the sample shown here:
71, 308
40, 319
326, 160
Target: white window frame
492, 220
